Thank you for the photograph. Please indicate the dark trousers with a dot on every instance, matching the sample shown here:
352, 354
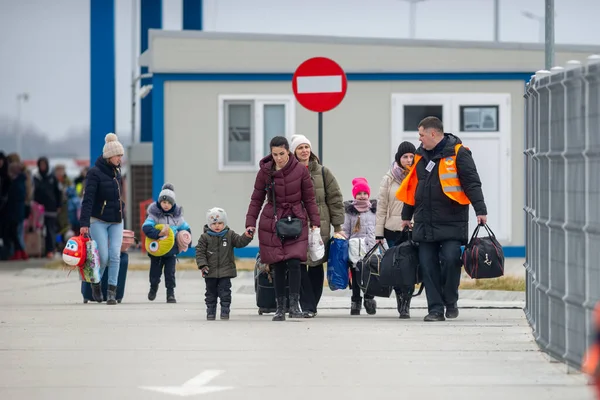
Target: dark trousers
51, 224
293, 268
311, 286
356, 291
440, 265
394, 238
157, 264
13, 236
218, 288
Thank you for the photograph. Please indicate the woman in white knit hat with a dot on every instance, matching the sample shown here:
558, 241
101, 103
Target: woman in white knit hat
331, 210
102, 213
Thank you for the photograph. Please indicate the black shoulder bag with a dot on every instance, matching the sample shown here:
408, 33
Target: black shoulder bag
289, 227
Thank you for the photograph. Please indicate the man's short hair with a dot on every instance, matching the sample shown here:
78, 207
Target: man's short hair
432, 123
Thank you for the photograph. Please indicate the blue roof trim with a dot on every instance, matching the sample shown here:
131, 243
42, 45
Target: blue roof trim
352, 76
251, 251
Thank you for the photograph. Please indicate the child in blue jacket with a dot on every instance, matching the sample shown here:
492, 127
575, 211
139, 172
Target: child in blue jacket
165, 211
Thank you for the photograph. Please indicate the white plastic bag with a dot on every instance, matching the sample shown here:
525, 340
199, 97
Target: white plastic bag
357, 249
316, 247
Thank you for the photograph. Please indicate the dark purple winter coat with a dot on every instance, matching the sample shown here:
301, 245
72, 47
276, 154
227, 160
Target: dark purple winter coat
294, 196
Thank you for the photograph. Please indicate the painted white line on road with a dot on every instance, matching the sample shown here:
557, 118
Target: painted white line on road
194, 386
319, 84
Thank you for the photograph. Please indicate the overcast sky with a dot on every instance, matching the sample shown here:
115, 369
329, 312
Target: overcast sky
44, 45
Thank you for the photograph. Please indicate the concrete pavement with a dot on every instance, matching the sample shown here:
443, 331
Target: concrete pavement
53, 346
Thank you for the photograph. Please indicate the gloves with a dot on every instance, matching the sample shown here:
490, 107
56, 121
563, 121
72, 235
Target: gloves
204, 270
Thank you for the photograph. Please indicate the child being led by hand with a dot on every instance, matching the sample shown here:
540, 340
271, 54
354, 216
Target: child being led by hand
215, 258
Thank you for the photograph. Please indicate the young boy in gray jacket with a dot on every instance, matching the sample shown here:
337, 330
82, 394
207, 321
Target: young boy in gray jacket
215, 258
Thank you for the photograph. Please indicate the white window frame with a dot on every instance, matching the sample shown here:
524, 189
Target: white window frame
288, 101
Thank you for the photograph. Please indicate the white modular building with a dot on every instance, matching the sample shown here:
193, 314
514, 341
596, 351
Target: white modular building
218, 98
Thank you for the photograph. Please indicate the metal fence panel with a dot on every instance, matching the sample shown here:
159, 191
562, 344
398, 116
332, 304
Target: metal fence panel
562, 207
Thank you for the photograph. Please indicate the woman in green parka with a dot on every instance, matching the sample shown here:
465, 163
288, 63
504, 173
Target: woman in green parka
331, 210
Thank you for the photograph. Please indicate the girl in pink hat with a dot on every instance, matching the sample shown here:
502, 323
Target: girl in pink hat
359, 223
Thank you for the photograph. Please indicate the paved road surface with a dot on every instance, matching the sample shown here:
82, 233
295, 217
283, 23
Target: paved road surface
54, 347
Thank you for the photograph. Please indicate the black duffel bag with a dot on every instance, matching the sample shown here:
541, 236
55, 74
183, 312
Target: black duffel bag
368, 274
483, 257
400, 264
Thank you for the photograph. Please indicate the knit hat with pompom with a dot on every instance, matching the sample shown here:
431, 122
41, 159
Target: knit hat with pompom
112, 147
167, 193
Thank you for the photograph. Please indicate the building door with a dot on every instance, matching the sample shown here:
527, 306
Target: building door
482, 121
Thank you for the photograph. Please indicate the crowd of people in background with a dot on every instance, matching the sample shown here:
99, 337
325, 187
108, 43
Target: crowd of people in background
39, 207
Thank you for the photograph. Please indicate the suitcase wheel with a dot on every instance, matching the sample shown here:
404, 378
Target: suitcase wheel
85, 301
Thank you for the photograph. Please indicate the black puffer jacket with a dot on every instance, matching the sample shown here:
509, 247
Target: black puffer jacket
436, 216
102, 198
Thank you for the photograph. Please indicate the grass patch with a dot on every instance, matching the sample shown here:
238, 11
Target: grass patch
507, 283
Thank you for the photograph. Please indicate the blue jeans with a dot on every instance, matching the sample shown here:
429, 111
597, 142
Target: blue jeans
109, 238
21, 234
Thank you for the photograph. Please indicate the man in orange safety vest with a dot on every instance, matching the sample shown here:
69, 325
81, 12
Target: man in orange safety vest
437, 192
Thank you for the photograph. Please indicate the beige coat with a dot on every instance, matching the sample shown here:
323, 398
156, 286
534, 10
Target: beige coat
389, 208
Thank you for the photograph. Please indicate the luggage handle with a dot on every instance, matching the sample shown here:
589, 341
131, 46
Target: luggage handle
419, 291
370, 252
476, 231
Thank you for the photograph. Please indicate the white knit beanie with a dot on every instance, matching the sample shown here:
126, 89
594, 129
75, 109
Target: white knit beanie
167, 193
216, 214
112, 147
297, 140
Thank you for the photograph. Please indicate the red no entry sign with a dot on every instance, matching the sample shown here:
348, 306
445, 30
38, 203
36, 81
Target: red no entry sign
319, 84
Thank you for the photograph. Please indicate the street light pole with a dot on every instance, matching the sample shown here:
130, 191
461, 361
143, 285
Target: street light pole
540, 21
21, 97
496, 21
412, 17
134, 81
549, 59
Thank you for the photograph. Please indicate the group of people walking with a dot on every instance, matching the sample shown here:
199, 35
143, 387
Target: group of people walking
426, 190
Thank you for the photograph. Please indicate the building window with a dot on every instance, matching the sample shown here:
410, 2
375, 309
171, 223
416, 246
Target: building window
479, 119
413, 114
246, 126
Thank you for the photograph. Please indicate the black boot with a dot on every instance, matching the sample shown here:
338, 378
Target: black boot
355, 308
111, 295
171, 296
279, 312
152, 292
97, 292
225, 312
295, 306
403, 300
371, 306
211, 312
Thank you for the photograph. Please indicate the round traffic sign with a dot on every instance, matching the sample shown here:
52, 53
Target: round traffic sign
319, 84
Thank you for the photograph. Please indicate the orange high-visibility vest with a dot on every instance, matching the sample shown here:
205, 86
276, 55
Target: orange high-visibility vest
448, 178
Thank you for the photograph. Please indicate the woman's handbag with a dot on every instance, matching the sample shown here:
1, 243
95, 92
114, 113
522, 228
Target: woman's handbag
288, 227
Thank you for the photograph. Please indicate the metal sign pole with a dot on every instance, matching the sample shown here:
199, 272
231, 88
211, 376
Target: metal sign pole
320, 128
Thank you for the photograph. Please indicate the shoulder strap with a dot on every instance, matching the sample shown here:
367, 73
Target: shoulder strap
324, 182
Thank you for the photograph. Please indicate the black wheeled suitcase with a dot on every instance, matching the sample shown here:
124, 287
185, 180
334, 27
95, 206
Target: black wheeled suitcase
86, 288
265, 292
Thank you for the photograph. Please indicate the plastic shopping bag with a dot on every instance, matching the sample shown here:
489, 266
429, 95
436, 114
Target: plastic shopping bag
337, 264
90, 270
316, 247
357, 249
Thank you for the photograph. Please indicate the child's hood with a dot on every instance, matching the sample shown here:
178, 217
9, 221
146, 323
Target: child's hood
350, 209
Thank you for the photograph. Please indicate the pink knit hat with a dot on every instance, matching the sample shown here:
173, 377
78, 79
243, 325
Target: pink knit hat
183, 240
360, 185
